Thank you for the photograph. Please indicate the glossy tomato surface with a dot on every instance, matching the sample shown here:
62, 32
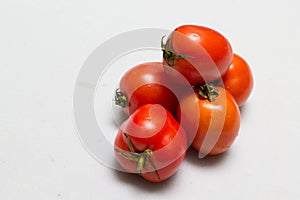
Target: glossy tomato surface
199, 53
143, 84
151, 128
218, 121
238, 80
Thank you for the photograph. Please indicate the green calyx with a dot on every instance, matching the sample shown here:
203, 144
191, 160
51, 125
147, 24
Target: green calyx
208, 91
142, 159
168, 54
120, 99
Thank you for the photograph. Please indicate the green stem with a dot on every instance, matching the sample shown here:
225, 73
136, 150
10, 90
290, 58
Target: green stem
128, 155
140, 158
120, 99
129, 143
168, 54
208, 91
141, 163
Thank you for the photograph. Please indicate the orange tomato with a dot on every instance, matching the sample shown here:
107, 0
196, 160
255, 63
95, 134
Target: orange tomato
218, 121
238, 80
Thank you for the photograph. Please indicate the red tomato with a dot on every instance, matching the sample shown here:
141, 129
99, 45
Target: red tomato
217, 124
151, 143
199, 53
238, 80
145, 84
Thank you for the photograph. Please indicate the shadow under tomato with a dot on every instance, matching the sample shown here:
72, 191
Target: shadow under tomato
243, 109
142, 184
208, 161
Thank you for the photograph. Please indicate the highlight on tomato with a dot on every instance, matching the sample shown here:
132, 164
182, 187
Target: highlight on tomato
151, 143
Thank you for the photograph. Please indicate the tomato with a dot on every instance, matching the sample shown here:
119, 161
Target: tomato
217, 119
145, 84
238, 80
199, 53
151, 143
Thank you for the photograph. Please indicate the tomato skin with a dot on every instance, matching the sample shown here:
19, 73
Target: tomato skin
146, 84
152, 127
207, 51
238, 80
212, 114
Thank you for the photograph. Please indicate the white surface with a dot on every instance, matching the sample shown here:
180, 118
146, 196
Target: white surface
43, 45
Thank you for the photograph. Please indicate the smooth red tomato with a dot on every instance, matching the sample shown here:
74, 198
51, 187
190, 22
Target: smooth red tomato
143, 84
199, 53
217, 120
151, 143
238, 80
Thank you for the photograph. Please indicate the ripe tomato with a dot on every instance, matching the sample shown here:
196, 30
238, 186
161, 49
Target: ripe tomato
218, 120
151, 143
199, 53
145, 84
238, 80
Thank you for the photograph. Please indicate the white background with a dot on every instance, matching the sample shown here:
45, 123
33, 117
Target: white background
43, 45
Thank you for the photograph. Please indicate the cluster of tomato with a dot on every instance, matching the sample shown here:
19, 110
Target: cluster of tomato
192, 98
